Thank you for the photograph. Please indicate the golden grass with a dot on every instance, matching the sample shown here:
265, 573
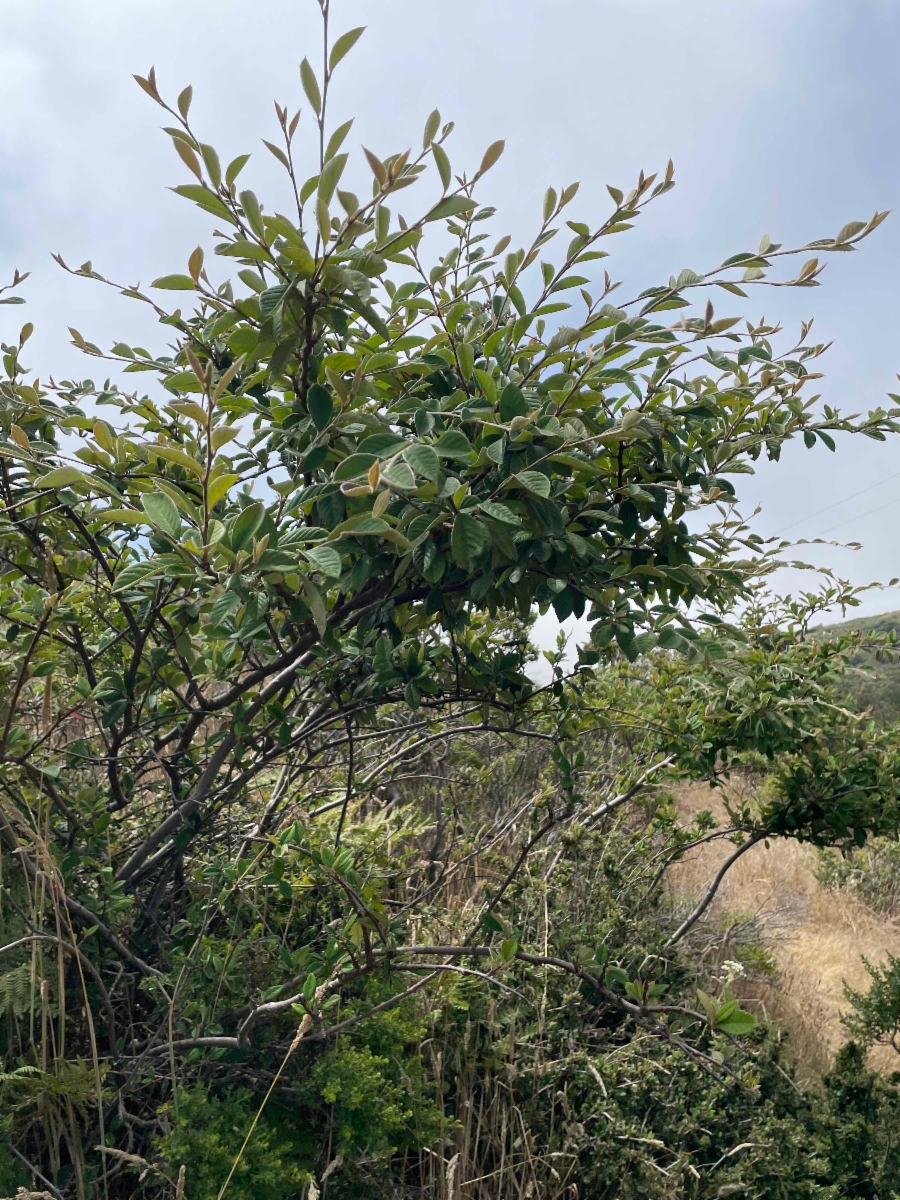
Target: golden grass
822, 936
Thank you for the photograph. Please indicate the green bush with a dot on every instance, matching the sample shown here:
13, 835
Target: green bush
271, 757
875, 1015
208, 1132
871, 873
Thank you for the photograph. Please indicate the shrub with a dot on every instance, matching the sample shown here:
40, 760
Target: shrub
248, 614
872, 873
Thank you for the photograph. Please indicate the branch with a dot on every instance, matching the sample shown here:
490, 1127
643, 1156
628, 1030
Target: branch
54, 1191
704, 904
513, 871
23, 671
637, 786
8, 834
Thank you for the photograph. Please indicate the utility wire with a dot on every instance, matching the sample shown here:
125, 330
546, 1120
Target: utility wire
868, 513
837, 504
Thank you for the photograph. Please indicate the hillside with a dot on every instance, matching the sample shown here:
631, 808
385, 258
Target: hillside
817, 937
871, 683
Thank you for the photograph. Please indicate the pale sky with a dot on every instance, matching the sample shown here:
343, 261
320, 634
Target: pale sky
781, 117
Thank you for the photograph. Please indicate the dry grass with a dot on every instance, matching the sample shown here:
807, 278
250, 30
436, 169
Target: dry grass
819, 937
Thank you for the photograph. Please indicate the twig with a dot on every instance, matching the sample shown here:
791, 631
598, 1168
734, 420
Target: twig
36, 1173
708, 896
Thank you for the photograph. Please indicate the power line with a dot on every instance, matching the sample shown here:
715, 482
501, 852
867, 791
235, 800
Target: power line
850, 520
837, 504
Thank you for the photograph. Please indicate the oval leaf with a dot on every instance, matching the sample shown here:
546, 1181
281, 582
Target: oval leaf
162, 512
353, 466
326, 559
62, 477
453, 444
343, 45
468, 539
534, 481
320, 405
246, 525
423, 460
174, 283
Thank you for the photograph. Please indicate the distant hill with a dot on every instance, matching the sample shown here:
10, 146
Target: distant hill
873, 684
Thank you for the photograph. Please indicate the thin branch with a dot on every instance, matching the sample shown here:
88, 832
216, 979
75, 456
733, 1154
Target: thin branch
54, 1191
609, 805
349, 792
708, 896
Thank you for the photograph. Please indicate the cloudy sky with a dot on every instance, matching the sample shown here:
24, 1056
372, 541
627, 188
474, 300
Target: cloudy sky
781, 117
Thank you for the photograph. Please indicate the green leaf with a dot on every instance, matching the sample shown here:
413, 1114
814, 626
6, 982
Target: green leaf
354, 466
343, 45
432, 125
509, 949
453, 444
625, 642
491, 155
184, 100
488, 385
320, 405
175, 283
737, 1024
423, 460
443, 164
499, 512
222, 435
850, 230
362, 525
709, 1005
468, 539
534, 481
331, 173
183, 381
120, 516
212, 164
62, 477
326, 559
271, 298
382, 445
342, 361
399, 475
317, 606
235, 167
246, 525
412, 695
162, 512
337, 139
670, 639
452, 206
253, 213
491, 923
139, 572
173, 454
206, 199
311, 86
512, 403
465, 357
219, 486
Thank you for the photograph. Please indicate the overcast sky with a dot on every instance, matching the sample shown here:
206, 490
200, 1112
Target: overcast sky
781, 117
